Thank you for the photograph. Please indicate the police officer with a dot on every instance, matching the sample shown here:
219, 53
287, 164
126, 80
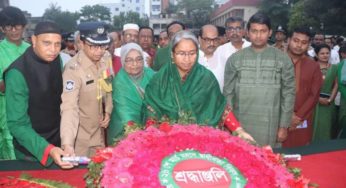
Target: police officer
86, 98
280, 38
69, 44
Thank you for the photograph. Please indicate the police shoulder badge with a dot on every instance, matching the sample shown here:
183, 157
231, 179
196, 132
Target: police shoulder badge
69, 85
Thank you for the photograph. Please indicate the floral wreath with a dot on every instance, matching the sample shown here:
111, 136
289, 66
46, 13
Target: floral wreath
135, 161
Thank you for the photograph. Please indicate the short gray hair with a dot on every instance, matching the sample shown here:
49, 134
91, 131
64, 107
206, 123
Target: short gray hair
127, 48
184, 35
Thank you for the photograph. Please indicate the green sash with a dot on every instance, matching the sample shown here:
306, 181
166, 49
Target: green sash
196, 100
127, 101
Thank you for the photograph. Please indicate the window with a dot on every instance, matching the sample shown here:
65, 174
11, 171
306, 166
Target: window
138, 9
137, 1
123, 5
155, 7
116, 9
156, 26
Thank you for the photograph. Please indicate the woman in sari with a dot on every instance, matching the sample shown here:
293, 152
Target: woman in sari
185, 92
128, 90
324, 117
342, 89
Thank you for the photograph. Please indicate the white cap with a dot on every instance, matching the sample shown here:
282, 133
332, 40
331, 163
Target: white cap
131, 26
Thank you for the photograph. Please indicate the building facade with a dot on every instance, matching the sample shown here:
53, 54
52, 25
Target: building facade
125, 6
234, 8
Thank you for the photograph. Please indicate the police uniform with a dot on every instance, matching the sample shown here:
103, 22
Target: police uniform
86, 95
69, 37
282, 46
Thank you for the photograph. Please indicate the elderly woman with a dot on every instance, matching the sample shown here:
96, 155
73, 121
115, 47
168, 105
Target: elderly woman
324, 116
185, 92
128, 90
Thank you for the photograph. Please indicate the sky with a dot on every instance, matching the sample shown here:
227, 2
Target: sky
37, 7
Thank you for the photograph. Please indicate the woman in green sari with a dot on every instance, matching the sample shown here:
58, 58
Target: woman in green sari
342, 89
128, 90
185, 92
324, 117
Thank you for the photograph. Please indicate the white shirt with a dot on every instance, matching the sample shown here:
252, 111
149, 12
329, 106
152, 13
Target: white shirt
217, 63
212, 65
64, 58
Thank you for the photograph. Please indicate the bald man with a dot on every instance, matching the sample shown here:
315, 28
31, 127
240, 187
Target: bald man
209, 41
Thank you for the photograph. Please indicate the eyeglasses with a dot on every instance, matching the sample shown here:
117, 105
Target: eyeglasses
129, 35
11, 27
149, 37
96, 47
132, 61
209, 40
184, 54
235, 29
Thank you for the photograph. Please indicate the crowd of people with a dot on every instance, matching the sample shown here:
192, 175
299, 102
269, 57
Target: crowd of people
74, 93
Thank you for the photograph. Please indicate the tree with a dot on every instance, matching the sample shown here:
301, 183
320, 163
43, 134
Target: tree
328, 15
277, 10
171, 9
66, 20
299, 17
197, 12
321, 15
130, 17
95, 13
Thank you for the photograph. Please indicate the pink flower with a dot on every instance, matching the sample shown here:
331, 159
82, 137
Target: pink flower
136, 160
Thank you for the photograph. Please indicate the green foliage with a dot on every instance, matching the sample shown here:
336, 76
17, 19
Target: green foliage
66, 20
277, 10
197, 12
326, 16
93, 177
130, 17
44, 182
299, 17
171, 9
95, 13
329, 14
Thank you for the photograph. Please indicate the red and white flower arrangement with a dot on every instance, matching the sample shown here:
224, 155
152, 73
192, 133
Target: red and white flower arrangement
136, 160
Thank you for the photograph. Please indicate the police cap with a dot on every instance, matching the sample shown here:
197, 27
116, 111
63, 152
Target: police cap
94, 32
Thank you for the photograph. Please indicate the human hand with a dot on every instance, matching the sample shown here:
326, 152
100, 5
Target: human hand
282, 134
56, 154
68, 150
324, 101
244, 135
149, 61
104, 121
295, 121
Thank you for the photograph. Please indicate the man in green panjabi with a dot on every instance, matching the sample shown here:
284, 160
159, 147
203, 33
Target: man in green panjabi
163, 55
33, 96
260, 86
12, 24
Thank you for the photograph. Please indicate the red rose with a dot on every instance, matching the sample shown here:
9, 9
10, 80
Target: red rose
149, 123
165, 127
130, 123
98, 159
